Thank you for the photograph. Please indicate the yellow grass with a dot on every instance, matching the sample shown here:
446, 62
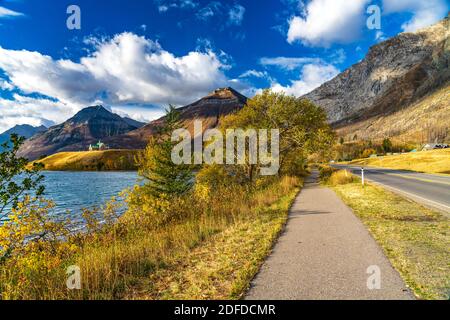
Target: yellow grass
223, 266
434, 161
415, 239
208, 250
341, 177
91, 160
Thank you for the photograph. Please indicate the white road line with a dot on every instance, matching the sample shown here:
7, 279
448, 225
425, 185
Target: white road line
412, 195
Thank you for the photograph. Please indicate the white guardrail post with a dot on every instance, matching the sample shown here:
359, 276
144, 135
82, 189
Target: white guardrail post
362, 176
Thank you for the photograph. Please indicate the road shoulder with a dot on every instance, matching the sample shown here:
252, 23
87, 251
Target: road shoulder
415, 238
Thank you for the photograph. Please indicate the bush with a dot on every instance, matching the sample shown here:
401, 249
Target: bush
325, 172
341, 177
368, 152
387, 145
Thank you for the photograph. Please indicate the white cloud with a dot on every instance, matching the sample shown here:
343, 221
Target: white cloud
339, 56
311, 77
138, 113
7, 13
165, 5
205, 13
127, 69
379, 36
236, 14
254, 73
163, 8
425, 13
33, 111
227, 14
5, 85
325, 22
287, 63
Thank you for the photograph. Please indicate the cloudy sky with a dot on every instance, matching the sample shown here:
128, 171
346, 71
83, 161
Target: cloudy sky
138, 56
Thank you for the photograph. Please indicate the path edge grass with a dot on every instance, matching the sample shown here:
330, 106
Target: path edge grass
398, 257
188, 278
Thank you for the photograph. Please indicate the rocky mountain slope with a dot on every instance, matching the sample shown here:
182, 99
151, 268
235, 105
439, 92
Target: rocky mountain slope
86, 127
394, 75
427, 120
208, 109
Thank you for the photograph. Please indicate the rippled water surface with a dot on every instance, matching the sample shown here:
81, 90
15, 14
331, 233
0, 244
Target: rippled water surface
76, 190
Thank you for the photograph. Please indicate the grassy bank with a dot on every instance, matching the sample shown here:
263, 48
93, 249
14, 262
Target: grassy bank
107, 160
208, 245
434, 161
223, 266
415, 239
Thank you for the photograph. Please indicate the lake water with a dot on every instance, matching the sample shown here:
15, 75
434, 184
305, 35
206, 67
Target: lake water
74, 191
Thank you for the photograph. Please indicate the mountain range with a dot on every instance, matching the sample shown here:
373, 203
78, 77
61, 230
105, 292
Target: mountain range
86, 127
400, 89
23, 130
97, 123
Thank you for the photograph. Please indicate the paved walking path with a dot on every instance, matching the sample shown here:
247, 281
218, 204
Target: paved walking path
324, 253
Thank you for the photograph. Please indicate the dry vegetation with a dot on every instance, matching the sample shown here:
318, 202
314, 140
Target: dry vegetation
223, 266
182, 235
207, 245
425, 121
108, 160
434, 161
341, 177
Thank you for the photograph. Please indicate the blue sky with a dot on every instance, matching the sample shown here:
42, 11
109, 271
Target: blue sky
137, 56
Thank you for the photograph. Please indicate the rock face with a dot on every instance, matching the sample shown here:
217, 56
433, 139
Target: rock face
393, 75
94, 123
209, 110
86, 127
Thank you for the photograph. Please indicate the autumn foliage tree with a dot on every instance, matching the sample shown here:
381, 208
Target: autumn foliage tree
17, 179
302, 126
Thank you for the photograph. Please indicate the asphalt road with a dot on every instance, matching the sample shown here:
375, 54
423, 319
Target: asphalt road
428, 189
325, 253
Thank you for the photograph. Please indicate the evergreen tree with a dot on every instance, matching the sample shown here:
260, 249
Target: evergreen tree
162, 176
387, 145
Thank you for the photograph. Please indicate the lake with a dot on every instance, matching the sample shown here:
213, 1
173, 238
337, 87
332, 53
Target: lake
74, 191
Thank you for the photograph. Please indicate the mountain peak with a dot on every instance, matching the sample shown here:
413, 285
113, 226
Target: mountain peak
226, 93
24, 130
394, 74
94, 113
209, 110
91, 111
87, 126
96, 122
